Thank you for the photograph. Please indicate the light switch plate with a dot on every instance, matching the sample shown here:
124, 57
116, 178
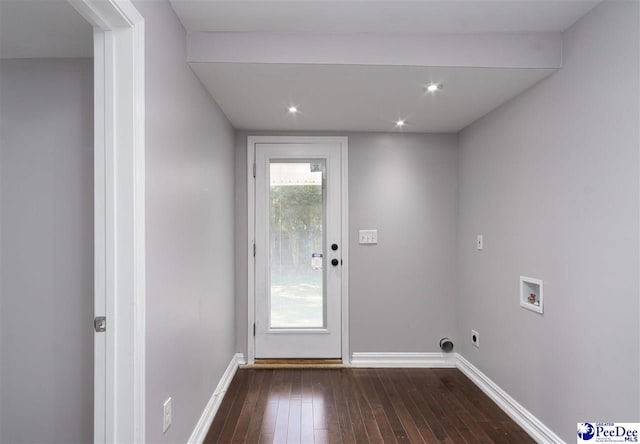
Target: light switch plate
480, 242
166, 415
368, 237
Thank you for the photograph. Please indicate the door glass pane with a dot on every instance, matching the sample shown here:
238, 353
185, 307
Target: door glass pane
296, 219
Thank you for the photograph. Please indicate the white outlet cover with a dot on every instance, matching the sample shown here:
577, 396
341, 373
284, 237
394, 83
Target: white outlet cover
480, 242
477, 336
166, 415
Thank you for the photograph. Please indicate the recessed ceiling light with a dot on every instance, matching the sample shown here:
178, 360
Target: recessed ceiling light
433, 87
400, 123
293, 109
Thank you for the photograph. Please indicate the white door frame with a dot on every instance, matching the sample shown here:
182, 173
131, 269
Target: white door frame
251, 226
119, 191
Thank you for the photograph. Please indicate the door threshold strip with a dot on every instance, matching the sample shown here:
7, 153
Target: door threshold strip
295, 363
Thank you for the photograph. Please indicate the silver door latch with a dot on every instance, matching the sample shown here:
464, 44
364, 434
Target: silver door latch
100, 324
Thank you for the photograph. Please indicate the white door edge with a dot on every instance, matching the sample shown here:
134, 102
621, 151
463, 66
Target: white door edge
119, 138
251, 201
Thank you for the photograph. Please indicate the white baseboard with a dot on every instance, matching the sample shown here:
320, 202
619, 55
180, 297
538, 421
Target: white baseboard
422, 360
532, 425
204, 423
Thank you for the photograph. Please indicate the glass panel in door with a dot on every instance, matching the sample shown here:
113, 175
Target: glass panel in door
296, 240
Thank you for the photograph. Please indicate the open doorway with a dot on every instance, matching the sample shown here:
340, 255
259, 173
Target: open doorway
119, 223
46, 223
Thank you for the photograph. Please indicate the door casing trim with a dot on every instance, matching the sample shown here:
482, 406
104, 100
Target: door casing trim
119, 190
344, 226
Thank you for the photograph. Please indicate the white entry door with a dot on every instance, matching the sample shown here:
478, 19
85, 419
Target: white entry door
298, 259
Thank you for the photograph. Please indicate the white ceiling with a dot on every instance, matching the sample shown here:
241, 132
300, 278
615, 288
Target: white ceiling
442, 16
359, 97
330, 97
353, 97
43, 28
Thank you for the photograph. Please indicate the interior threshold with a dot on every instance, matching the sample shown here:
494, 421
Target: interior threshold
295, 363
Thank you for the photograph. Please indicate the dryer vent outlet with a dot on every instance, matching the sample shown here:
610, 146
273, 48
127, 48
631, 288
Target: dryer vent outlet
446, 345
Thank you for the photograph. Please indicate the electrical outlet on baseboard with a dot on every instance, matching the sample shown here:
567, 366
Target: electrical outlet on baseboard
475, 338
166, 415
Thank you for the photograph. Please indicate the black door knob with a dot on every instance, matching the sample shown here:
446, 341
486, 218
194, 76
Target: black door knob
334, 247
335, 262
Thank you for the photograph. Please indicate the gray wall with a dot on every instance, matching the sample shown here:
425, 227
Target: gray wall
402, 291
551, 180
190, 251
46, 235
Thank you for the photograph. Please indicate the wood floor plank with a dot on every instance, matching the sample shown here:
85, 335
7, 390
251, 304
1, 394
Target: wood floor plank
405, 388
255, 424
306, 423
342, 411
354, 406
234, 413
427, 406
282, 419
366, 379
357, 423
268, 427
326, 404
390, 380
453, 409
296, 383
373, 432
295, 421
334, 436
321, 436
473, 401
318, 400
429, 417
248, 408
282, 422
396, 425
307, 386
225, 408
496, 434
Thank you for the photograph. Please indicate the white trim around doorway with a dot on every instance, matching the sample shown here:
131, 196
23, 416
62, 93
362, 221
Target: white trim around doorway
344, 144
119, 190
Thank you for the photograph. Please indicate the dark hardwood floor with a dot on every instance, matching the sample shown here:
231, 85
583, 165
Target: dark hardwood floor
359, 406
